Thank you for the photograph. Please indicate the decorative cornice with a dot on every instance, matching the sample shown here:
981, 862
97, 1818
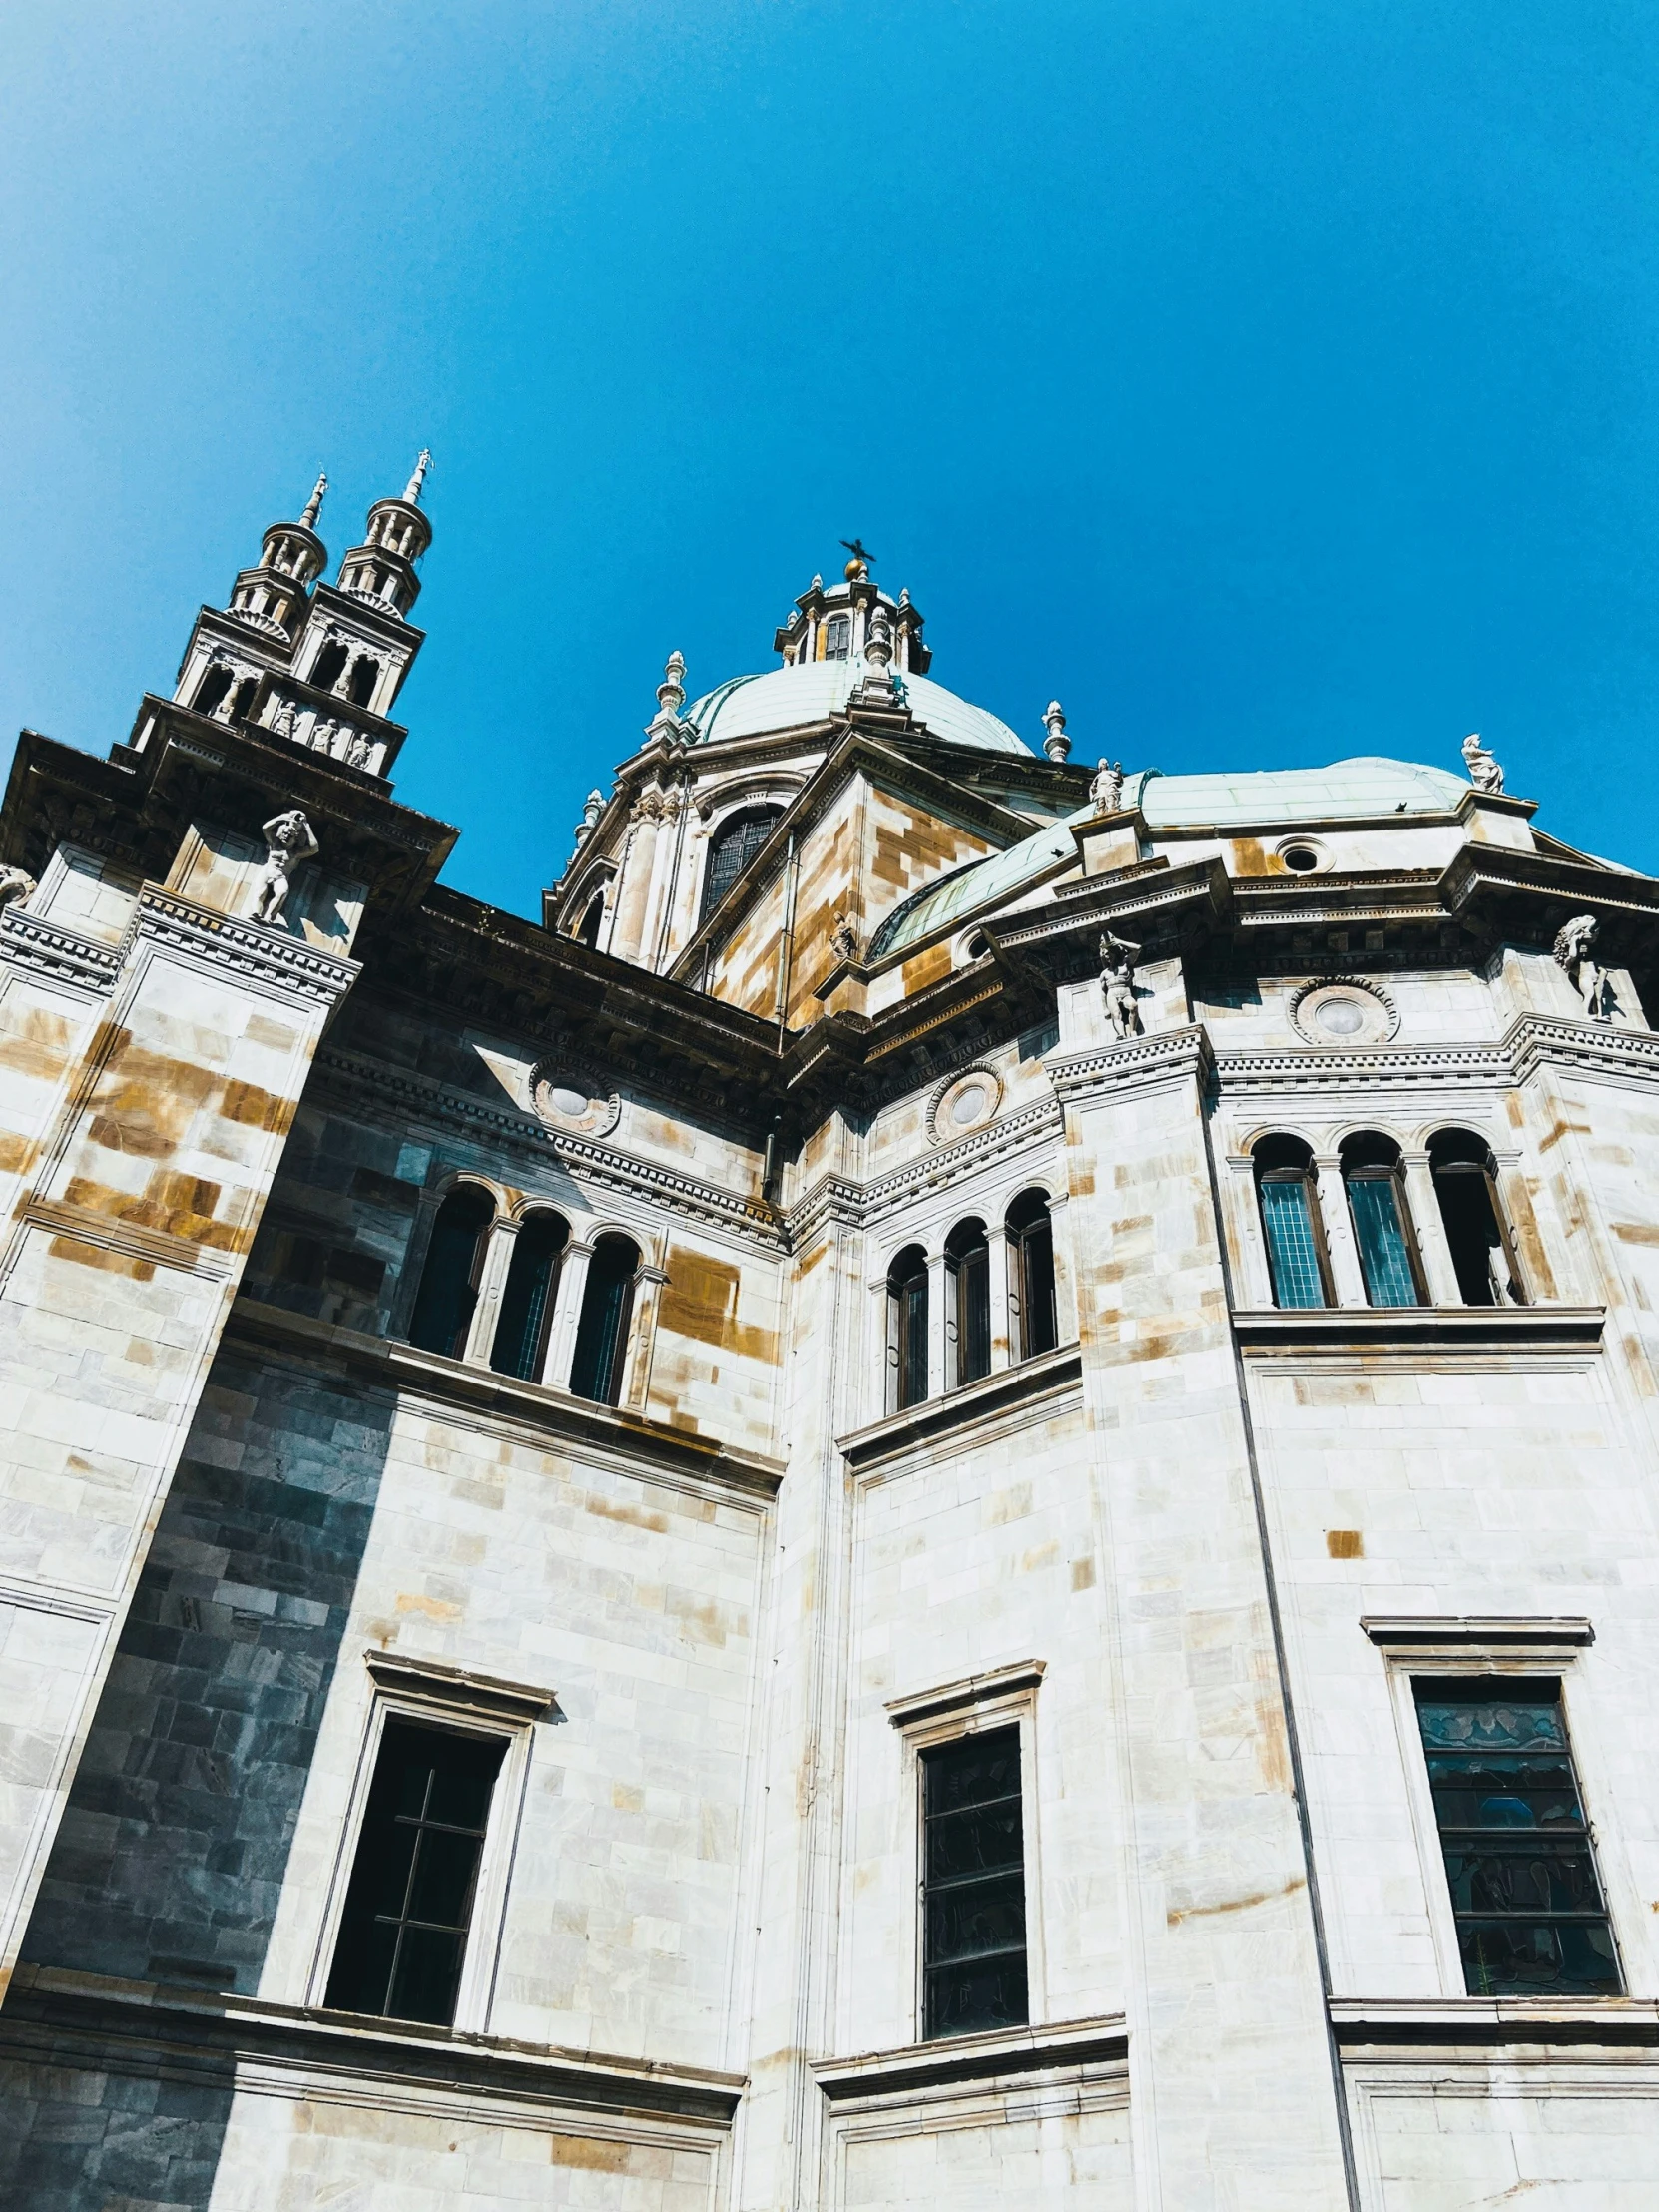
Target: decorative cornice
1531, 1042
48, 948
1103, 2041
1482, 1631
839, 1197
253, 951
1602, 1047
354, 1076
456, 1689
1491, 2022
110, 1233
963, 1696
1414, 1331
1132, 1063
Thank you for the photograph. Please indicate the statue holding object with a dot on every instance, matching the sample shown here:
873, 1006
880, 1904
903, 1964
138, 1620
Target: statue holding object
1117, 980
1574, 955
289, 845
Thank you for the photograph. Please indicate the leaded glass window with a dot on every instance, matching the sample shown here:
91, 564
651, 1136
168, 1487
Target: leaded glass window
527, 1300
408, 1910
734, 846
1289, 1222
1370, 1170
907, 1326
1532, 1919
973, 1886
968, 1262
838, 638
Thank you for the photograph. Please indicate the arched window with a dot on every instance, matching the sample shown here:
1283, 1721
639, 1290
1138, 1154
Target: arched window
449, 1281
213, 687
364, 677
330, 664
1381, 1225
907, 1328
1290, 1225
1465, 1182
527, 1301
1034, 1326
967, 1269
244, 699
593, 917
602, 1332
733, 846
838, 638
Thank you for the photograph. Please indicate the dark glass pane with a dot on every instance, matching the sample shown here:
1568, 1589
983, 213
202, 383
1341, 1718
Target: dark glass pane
1538, 1958
974, 1771
521, 1332
428, 1976
383, 1861
975, 1841
973, 1315
448, 1292
913, 1340
1472, 1231
976, 1918
441, 1891
1385, 1255
1293, 1249
735, 846
596, 1369
973, 1999
1038, 1330
461, 1786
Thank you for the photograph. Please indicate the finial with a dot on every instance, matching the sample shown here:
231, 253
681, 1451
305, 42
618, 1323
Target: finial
592, 807
905, 595
817, 583
1483, 770
859, 567
671, 692
313, 505
1056, 745
412, 491
879, 644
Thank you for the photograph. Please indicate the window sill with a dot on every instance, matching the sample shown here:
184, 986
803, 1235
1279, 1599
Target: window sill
1422, 2021
101, 2014
1410, 1329
397, 1366
1050, 1374
1014, 2050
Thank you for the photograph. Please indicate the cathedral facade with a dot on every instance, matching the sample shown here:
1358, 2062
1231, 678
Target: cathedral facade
947, 1495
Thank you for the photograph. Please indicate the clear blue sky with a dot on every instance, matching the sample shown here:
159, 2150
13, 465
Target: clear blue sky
1272, 382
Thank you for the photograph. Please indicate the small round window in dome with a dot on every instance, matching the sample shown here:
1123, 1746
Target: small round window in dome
567, 1097
1345, 1010
966, 1103
1300, 860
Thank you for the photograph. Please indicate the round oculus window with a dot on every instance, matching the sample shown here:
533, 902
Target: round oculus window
969, 1104
1300, 860
966, 1103
563, 1100
1340, 1017
1343, 1011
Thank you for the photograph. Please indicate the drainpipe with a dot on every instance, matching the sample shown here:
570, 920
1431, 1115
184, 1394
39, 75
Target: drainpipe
786, 941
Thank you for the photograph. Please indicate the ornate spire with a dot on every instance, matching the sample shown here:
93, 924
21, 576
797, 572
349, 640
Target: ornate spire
423, 464
313, 505
671, 692
1056, 745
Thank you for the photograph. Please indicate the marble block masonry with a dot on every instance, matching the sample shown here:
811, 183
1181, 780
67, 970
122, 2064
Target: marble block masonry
947, 1494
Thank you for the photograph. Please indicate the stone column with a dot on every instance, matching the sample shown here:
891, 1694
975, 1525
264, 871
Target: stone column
118, 1265
938, 1376
997, 1238
1347, 1276
1065, 1282
492, 1281
568, 1294
637, 868
1232, 2105
1443, 1286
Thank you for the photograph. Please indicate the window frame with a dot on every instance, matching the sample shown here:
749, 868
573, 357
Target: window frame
1005, 1697
1525, 1652
748, 809
1021, 1301
896, 1293
429, 1695
1394, 1173
1308, 1177
971, 1252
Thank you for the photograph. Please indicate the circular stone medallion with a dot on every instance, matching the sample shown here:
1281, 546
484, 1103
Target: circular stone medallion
1345, 1011
966, 1103
567, 1097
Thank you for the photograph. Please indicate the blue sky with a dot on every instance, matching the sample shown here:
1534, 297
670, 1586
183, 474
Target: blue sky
1272, 382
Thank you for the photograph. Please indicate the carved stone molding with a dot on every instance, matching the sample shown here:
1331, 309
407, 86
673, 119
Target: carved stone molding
963, 1103
1133, 1063
1334, 1011
254, 952
570, 1098
48, 948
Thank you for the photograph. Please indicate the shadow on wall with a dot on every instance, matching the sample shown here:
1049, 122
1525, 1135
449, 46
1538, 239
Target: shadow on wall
170, 1861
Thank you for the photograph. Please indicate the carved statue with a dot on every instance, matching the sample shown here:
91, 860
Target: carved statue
843, 939
358, 751
1574, 955
1483, 770
1117, 980
1107, 789
15, 886
288, 844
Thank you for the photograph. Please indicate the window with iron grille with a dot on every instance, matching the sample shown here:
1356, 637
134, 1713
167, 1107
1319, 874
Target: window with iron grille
408, 1910
731, 850
973, 1886
1532, 1919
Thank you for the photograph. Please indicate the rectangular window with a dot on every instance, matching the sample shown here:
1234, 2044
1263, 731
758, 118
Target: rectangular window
1380, 1231
1530, 1916
402, 1941
973, 1886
